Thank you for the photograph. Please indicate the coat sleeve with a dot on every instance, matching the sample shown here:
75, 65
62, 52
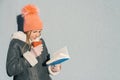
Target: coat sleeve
45, 49
15, 63
48, 58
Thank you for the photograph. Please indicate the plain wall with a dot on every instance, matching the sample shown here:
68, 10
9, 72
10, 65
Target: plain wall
89, 28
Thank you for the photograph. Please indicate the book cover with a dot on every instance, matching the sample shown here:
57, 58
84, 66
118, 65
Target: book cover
59, 57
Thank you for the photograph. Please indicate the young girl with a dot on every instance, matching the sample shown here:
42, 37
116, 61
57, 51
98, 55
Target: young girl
27, 53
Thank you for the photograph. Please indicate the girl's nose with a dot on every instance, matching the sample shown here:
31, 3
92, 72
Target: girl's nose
38, 34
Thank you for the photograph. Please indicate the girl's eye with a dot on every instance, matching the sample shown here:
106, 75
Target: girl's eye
39, 31
34, 31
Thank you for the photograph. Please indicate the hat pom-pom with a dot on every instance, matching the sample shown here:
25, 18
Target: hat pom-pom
30, 9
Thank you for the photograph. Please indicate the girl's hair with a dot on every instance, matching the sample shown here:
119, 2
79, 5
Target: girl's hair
28, 33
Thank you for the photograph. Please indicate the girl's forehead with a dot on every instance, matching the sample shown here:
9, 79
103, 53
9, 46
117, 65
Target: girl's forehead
37, 30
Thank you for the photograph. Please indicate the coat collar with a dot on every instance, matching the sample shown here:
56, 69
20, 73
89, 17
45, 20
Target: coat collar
19, 35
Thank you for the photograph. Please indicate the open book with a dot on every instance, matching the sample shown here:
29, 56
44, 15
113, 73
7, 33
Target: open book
59, 57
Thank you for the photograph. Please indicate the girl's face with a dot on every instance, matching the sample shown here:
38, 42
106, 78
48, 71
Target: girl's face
35, 34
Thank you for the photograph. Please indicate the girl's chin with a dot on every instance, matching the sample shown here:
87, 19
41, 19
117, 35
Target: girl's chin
33, 39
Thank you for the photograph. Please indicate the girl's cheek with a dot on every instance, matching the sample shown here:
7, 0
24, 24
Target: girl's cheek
32, 38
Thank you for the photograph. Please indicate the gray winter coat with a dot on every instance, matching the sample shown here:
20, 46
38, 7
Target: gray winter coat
18, 67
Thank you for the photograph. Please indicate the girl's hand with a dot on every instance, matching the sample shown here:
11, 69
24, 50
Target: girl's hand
56, 68
37, 50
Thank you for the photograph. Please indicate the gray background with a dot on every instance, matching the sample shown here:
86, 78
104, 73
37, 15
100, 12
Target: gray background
89, 28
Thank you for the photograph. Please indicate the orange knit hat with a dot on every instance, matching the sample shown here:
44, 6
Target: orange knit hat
31, 18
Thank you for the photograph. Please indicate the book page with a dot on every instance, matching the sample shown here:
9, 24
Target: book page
59, 57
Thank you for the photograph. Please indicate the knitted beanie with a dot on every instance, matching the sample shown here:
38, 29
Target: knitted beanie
31, 18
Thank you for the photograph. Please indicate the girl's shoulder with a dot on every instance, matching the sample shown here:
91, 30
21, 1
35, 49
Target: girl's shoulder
18, 39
